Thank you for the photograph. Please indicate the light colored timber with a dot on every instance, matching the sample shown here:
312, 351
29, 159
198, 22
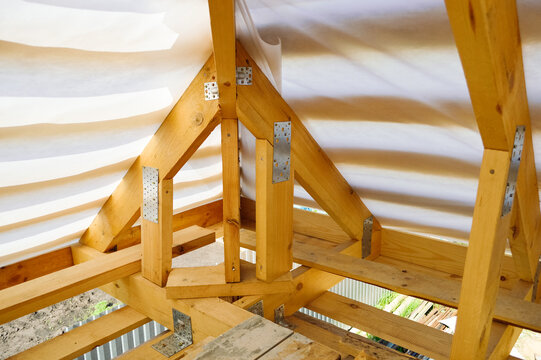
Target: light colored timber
33, 295
35, 267
343, 341
208, 281
408, 280
299, 347
401, 331
488, 39
81, 340
483, 261
274, 216
157, 239
182, 132
258, 107
204, 216
231, 195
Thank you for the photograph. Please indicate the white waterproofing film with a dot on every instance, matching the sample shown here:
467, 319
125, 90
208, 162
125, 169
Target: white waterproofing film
379, 84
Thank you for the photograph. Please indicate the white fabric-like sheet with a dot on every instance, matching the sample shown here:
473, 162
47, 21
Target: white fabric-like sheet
85, 84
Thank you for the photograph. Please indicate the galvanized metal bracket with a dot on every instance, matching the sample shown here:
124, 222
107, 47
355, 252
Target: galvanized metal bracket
513, 171
257, 308
180, 339
367, 236
244, 75
150, 194
279, 317
211, 91
281, 161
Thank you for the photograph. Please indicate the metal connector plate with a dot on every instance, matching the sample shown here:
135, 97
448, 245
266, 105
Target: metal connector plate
244, 75
510, 190
150, 194
211, 91
281, 161
180, 339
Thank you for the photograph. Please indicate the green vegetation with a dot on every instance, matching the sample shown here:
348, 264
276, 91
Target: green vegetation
386, 299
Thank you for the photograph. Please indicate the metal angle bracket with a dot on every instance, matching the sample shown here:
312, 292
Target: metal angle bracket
244, 75
513, 170
367, 236
150, 194
281, 157
257, 308
211, 91
180, 339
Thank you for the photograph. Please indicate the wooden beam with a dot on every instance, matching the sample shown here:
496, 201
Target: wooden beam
81, 340
483, 262
231, 194
157, 238
182, 132
398, 330
405, 279
343, 341
33, 295
35, 267
274, 217
208, 281
258, 107
488, 39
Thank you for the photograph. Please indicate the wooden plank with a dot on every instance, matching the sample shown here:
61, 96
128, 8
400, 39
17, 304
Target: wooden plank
299, 347
258, 107
398, 330
81, 340
432, 253
222, 24
488, 39
406, 280
204, 216
35, 267
483, 261
274, 217
157, 238
208, 281
186, 127
343, 341
33, 295
248, 340
231, 194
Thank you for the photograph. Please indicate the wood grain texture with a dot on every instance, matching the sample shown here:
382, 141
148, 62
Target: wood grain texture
231, 198
35, 267
157, 239
398, 330
188, 124
258, 107
483, 261
299, 347
81, 340
274, 217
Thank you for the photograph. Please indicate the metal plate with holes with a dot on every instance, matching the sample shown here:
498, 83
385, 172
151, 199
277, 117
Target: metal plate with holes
281, 161
180, 339
367, 236
513, 170
244, 75
211, 91
257, 308
150, 194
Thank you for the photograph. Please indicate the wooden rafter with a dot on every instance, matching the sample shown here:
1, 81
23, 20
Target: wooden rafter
259, 106
182, 132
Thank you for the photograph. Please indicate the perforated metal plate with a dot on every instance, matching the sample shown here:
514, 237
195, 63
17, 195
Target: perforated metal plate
257, 308
513, 170
150, 194
211, 91
282, 151
180, 339
244, 75
367, 236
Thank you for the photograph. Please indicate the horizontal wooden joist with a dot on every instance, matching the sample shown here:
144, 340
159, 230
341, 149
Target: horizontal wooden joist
100, 269
81, 340
509, 309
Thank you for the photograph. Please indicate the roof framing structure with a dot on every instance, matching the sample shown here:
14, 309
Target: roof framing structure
496, 294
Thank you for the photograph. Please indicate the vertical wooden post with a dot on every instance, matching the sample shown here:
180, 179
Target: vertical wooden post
483, 261
157, 239
231, 195
274, 217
